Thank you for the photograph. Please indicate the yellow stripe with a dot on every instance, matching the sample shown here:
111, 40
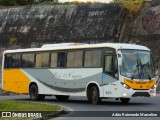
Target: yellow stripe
15, 80
141, 85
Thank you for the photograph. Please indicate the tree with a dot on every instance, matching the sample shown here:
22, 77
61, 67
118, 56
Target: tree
8, 2
25, 2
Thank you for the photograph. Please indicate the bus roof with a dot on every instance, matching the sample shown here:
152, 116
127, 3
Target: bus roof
67, 46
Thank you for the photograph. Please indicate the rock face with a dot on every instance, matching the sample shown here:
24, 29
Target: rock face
59, 23
22, 27
145, 29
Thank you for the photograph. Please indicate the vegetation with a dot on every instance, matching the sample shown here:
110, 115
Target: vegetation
16, 2
46, 111
132, 6
13, 105
42, 2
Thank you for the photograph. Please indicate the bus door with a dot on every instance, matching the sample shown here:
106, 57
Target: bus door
110, 68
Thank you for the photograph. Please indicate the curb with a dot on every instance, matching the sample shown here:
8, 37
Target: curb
51, 115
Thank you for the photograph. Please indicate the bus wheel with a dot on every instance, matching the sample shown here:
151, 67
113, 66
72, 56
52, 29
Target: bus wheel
62, 97
125, 100
33, 92
94, 95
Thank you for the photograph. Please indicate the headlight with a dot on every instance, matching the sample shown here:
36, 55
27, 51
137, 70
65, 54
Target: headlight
125, 86
154, 86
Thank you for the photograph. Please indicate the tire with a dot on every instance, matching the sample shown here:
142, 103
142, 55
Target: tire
94, 95
125, 100
62, 97
33, 92
89, 94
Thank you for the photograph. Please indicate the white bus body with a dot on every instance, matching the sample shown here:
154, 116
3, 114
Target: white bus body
106, 70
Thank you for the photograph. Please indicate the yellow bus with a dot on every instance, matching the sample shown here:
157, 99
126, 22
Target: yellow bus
97, 71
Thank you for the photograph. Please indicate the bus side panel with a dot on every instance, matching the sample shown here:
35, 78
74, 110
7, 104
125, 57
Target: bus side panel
15, 80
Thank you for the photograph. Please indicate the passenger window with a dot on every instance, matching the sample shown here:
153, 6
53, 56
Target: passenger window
70, 59
61, 59
28, 60
74, 59
53, 60
88, 59
93, 58
78, 58
42, 60
97, 58
16, 61
7, 63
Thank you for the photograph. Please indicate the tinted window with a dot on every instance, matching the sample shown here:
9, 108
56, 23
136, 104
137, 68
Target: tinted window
53, 60
61, 59
7, 63
93, 58
42, 60
15, 61
74, 59
28, 60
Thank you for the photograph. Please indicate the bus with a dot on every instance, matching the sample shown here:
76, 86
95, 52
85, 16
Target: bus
96, 71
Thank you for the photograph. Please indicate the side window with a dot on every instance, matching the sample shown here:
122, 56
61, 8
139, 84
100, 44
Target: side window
74, 59
88, 59
16, 61
42, 60
53, 60
78, 59
61, 59
7, 63
28, 60
70, 59
93, 58
97, 58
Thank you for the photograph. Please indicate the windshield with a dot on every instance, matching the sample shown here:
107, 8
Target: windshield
137, 64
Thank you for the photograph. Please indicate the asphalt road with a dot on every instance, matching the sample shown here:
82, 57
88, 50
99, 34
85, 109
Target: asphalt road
76, 104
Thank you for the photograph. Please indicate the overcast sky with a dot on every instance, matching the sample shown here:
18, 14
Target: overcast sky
107, 1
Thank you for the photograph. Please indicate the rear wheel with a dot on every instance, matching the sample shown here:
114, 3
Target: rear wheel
94, 95
125, 100
33, 92
62, 97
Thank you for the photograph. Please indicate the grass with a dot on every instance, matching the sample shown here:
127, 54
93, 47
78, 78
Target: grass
25, 106
13, 105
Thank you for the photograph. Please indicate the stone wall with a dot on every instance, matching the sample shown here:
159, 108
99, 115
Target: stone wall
32, 26
145, 30
37, 25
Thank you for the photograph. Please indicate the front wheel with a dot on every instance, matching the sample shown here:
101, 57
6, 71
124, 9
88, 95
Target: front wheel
125, 100
94, 95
